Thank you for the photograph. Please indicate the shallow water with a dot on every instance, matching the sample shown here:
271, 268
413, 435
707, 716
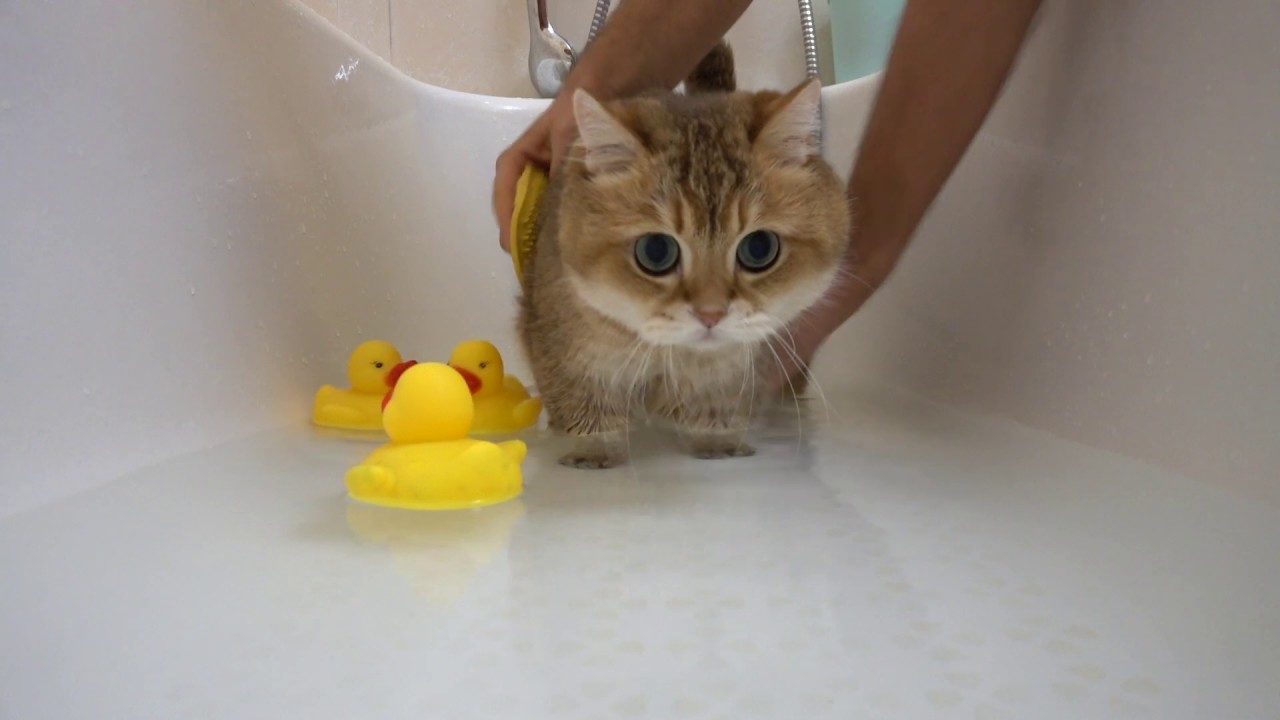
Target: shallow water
897, 560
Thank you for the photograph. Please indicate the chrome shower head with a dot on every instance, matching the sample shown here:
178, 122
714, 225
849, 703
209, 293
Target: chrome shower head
550, 56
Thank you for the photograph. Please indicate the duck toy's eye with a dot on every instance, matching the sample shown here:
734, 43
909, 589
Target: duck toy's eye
378, 365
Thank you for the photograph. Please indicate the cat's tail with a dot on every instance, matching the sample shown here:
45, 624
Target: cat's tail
714, 72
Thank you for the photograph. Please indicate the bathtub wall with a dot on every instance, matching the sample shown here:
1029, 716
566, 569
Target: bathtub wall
204, 209
178, 233
1106, 262
368, 22
482, 47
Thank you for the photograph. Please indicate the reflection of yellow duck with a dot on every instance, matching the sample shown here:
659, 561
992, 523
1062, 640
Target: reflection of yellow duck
438, 554
502, 403
359, 408
430, 463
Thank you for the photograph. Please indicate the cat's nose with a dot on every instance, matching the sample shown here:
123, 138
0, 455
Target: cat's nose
710, 318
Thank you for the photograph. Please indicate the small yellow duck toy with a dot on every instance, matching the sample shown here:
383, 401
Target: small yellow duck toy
430, 463
503, 405
359, 408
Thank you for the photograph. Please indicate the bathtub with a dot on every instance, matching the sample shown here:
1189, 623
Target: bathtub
1041, 478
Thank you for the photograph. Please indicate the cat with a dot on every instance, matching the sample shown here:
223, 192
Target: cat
683, 233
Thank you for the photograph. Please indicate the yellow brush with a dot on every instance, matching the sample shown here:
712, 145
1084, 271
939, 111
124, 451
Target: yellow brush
524, 220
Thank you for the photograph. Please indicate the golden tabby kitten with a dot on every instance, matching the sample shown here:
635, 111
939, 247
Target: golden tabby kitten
682, 234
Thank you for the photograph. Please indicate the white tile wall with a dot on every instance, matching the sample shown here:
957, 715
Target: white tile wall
368, 22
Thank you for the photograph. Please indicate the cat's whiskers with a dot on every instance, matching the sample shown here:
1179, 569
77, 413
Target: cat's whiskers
746, 376
635, 347
775, 334
673, 378
847, 274
636, 380
751, 373
805, 370
794, 396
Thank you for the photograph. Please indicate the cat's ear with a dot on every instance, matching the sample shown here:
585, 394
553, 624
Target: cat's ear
609, 146
792, 131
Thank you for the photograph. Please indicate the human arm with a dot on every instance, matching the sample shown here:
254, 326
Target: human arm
646, 45
947, 67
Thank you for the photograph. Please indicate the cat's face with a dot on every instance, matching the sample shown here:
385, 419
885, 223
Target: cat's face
703, 222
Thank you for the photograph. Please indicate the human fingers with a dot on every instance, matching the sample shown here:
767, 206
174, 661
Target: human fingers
532, 147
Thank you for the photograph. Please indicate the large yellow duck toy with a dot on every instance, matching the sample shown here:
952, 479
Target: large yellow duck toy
359, 408
430, 463
503, 405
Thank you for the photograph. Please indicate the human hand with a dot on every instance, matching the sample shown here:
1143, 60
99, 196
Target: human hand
544, 143
801, 340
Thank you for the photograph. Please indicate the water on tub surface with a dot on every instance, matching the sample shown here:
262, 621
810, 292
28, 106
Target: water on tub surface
899, 561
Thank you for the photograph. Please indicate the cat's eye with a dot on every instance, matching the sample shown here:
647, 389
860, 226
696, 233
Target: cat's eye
657, 253
759, 250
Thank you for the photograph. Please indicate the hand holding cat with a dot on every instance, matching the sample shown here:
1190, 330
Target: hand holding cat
544, 144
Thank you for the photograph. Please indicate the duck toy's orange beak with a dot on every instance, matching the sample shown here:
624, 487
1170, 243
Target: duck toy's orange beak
393, 377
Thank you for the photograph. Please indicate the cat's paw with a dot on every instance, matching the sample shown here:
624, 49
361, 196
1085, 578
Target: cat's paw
597, 451
721, 450
591, 459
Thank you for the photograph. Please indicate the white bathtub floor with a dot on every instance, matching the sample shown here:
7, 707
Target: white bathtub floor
902, 561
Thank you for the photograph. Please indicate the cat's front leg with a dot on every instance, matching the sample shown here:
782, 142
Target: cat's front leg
713, 433
596, 451
715, 444
597, 428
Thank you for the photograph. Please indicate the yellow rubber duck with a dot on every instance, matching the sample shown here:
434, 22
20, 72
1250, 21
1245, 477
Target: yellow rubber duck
503, 405
430, 463
359, 408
